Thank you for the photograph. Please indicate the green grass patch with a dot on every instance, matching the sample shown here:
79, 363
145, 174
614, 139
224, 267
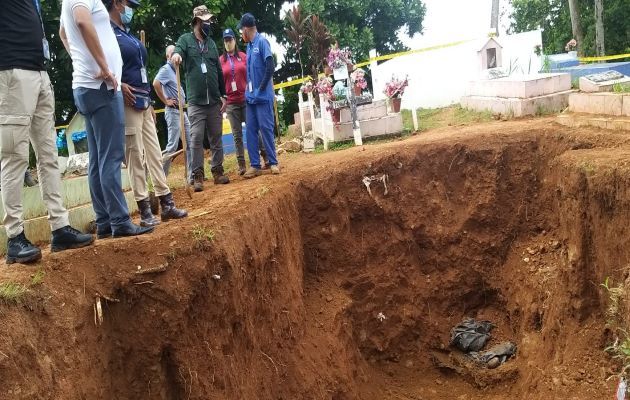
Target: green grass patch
38, 277
432, 118
11, 292
621, 88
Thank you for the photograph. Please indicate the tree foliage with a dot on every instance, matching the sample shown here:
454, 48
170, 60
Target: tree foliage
553, 17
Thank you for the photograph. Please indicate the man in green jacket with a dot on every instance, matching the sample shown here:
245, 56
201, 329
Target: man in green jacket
206, 94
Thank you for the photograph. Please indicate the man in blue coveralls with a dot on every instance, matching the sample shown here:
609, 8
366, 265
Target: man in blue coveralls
259, 96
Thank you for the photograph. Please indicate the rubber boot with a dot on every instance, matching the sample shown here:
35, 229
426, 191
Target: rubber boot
146, 216
21, 250
169, 211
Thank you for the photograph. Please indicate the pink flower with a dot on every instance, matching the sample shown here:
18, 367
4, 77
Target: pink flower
395, 88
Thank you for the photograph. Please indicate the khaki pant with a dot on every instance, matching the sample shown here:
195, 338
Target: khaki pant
142, 144
27, 110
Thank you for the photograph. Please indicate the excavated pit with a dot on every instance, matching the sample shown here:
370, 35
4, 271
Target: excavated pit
320, 289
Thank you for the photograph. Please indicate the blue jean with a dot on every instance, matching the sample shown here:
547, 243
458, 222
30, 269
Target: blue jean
171, 115
260, 117
105, 125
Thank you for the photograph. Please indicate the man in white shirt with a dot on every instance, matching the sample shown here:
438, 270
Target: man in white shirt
87, 35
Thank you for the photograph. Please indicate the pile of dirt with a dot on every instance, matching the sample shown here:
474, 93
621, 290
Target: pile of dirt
310, 286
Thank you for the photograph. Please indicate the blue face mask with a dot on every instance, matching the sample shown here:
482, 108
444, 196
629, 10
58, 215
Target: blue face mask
126, 15
205, 29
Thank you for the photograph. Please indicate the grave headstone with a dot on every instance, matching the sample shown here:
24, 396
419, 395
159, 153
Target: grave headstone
603, 82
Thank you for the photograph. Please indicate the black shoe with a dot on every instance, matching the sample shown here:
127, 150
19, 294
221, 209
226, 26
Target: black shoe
130, 229
69, 238
104, 233
169, 211
20, 250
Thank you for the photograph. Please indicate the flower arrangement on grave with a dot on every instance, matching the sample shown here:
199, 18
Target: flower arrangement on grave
395, 88
324, 87
571, 45
307, 86
358, 81
338, 58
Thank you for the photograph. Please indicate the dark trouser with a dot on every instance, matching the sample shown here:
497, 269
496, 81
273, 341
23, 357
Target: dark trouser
236, 114
260, 118
105, 124
206, 120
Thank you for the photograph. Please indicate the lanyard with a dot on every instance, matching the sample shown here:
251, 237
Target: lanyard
232, 67
136, 42
39, 14
202, 47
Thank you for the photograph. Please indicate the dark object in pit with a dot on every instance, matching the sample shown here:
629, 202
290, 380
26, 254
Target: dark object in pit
471, 335
496, 355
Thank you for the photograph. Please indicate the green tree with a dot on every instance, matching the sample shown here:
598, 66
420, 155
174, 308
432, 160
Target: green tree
554, 18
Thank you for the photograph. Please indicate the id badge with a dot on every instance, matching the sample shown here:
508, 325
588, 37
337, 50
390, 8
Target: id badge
204, 69
234, 86
46, 49
143, 74
250, 87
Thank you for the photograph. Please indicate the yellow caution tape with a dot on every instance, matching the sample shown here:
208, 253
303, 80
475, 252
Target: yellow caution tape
604, 58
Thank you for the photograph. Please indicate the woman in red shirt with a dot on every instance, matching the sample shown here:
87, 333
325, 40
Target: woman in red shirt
234, 66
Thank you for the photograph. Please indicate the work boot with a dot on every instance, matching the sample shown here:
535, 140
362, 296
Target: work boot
275, 169
146, 216
69, 238
20, 250
242, 167
198, 181
169, 211
220, 178
104, 232
130, 229
252, 173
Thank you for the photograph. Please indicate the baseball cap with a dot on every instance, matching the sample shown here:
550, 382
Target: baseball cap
228, 33
202, 13
247, 21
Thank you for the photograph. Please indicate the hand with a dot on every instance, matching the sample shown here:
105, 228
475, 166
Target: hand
171, 102
107, 76
130, 98
223, 105
176, 59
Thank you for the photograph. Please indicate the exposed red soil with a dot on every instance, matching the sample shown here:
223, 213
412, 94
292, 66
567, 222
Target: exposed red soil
516, 222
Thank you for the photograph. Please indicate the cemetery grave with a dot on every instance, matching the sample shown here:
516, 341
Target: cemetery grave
342, 278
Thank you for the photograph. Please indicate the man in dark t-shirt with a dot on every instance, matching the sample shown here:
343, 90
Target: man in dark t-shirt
27, 110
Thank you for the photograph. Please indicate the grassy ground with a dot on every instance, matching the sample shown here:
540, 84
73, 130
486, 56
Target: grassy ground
431, 118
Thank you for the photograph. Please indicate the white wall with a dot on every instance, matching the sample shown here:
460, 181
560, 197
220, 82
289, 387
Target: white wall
439, 78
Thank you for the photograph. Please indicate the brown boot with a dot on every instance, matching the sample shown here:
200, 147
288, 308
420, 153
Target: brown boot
198, 181
220, 178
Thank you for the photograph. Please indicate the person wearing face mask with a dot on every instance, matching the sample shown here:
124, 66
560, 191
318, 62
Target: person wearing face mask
87, 36
141, 141
206, 94
260, 96
234, 66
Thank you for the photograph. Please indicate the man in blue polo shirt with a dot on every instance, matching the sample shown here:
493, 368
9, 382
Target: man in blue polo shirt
259, 95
